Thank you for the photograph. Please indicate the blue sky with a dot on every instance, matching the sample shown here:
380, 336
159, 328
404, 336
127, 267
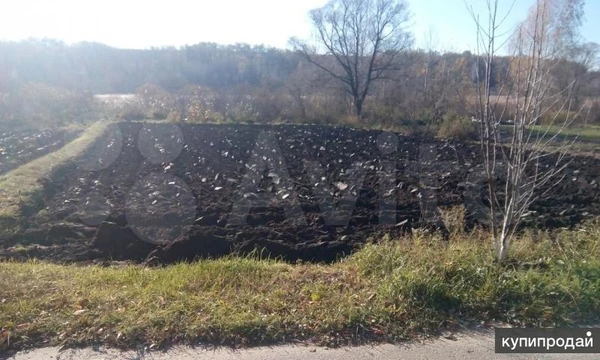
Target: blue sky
143, 24
451, 25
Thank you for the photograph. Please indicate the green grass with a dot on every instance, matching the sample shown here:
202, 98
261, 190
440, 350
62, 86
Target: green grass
585, 133
393, 290
587, 137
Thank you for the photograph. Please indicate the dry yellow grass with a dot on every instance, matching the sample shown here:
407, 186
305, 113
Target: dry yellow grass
24, 180
387, 291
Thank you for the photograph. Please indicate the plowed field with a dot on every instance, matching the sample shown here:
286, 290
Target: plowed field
164, 193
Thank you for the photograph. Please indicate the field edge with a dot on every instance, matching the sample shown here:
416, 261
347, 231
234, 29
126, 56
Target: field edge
20, 186
407, 288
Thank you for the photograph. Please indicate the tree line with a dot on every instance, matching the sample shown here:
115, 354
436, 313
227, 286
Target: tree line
274, 83
363, 68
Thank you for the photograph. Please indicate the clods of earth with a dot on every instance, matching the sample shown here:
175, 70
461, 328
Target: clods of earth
18, 147
163, 193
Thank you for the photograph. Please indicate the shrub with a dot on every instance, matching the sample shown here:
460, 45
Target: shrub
383, 115
351, 120
41, 105
159, 115
132, 111
174, 116
454, 219
455, 127
156, 100
198, 103
561, 117
594, 114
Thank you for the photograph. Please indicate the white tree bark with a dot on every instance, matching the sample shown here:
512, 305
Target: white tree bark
530, 87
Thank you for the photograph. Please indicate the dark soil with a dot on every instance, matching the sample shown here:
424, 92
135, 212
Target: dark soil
18, 147
281, 191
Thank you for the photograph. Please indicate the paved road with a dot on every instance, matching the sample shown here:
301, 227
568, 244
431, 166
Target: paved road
472, 346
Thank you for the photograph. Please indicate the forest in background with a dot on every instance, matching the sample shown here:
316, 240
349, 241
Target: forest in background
48, 82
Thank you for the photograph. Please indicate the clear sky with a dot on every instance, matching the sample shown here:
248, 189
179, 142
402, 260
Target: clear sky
144, 24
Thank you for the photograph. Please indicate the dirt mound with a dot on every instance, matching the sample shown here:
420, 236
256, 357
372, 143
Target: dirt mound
164, 193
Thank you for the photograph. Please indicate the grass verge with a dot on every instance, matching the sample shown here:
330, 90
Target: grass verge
19, 185
585, 133
587, 138
388, 291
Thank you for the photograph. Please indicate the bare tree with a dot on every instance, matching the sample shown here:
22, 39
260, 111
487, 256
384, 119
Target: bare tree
560, 29
583, 58
517, 156
363, 37
299, 85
